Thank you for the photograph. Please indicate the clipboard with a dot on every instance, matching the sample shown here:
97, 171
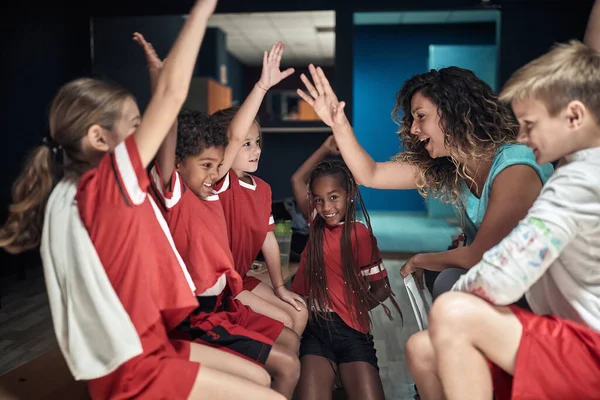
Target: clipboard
420, 301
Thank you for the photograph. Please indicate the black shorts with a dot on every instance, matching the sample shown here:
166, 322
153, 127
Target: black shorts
337, 342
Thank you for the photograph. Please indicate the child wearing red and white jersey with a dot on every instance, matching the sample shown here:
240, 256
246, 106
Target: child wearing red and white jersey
342, 276
106, 146
183, 176
246, 201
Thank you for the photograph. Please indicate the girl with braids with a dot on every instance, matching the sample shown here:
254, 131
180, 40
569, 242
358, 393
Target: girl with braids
342, 277
459, 145
116, 285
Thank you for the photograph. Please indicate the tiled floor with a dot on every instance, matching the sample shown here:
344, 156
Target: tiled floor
26, 330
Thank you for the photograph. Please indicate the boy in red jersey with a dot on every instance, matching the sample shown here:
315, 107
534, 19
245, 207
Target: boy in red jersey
183, 176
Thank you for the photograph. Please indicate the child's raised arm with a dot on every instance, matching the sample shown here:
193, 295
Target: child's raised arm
243, 120
592, 33
166, 153
173, 82
300, 178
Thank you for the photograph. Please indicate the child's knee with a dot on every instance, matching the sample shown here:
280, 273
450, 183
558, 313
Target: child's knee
290, 366
262, 377
419, 351
300, 318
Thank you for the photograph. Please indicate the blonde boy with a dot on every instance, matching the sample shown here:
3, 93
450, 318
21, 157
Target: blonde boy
476, 341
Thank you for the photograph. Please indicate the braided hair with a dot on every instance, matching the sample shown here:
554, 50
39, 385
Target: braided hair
358, 296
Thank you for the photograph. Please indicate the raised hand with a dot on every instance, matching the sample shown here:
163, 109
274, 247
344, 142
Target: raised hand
153, 60
330, 146
271, 74
322, 98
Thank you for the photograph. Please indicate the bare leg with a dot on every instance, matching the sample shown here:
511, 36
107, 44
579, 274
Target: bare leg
218, 385
316, 379
298, 318
361, 381
283, 363
465, 331
229, 363
421, 362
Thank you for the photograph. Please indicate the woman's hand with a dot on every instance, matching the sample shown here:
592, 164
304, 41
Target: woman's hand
322, 98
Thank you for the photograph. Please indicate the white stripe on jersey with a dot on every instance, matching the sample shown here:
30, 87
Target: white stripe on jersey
251, 186
127, 172
159, 185
217, 288
224, 186
167, 232
271, 220
377, 269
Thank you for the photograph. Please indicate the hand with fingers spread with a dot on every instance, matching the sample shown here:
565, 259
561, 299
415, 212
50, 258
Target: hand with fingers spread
322, 98
153, 60
271, 74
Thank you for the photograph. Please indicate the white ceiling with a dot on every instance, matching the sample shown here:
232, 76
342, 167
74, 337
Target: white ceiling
248, 35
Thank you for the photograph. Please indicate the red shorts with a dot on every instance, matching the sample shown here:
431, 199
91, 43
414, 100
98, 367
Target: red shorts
557, 360
250, 282
160, 372
232, 327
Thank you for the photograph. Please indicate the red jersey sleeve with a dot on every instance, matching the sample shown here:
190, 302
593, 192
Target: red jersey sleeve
120, 178
369, 259
168, 196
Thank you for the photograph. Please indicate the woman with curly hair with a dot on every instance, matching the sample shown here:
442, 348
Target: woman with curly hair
460, 146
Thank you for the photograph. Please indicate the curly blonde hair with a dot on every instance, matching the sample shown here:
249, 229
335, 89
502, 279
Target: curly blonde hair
474, 122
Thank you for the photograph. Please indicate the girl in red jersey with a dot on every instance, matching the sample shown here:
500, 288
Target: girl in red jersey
97, 127
246, 201
342, 276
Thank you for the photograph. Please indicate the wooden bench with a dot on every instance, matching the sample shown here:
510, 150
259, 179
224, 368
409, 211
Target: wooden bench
43, 378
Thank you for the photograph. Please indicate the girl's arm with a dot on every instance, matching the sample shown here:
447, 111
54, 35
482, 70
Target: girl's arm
166, 153
243, 120
513, 192
380, 289
300, 178
592, 33
367, 172
270, 251
173, 83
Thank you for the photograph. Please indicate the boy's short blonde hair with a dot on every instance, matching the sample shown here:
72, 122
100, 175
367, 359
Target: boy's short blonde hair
568, 72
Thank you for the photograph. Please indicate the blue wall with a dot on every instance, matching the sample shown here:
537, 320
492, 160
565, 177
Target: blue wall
384, 57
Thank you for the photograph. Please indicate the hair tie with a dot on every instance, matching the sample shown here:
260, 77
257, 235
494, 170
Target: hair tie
52, 144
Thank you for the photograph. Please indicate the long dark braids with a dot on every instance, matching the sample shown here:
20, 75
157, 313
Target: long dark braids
358, 295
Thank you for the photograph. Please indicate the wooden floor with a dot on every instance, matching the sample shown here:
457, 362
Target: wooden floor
26, 329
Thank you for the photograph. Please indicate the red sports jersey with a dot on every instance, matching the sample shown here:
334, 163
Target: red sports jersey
200, 234
133, 241
136, 249
369, 263
247, 210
